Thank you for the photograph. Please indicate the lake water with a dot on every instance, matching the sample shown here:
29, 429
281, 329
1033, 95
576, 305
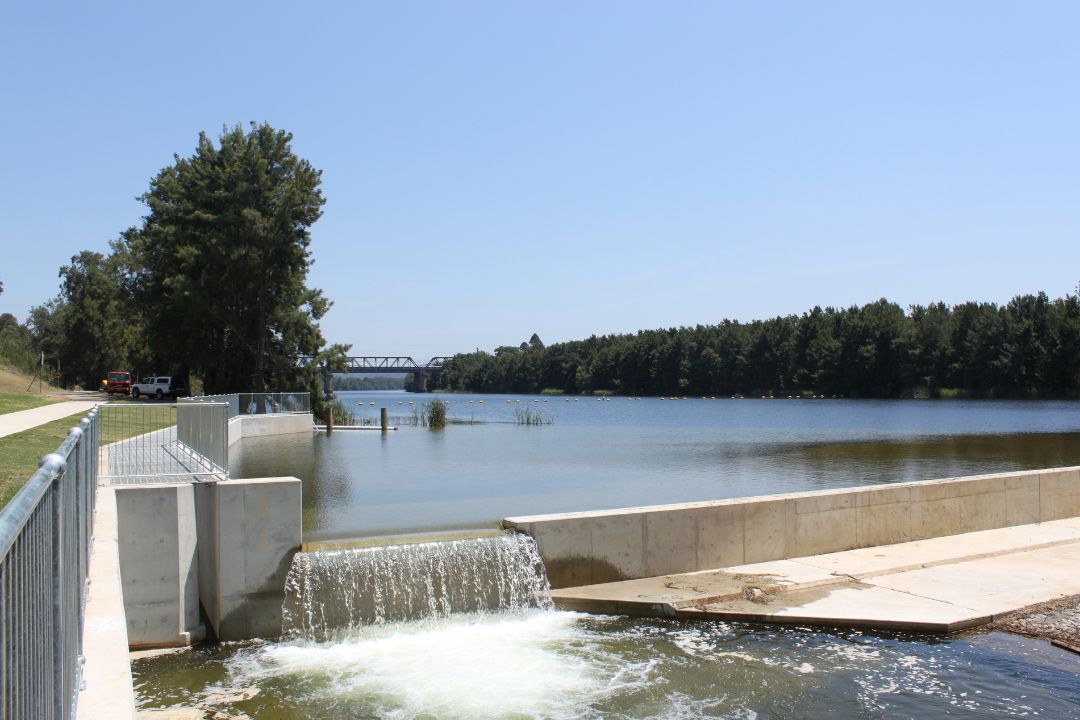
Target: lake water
619, 453
540, 663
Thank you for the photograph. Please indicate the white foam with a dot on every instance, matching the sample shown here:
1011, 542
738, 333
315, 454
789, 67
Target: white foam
483, 665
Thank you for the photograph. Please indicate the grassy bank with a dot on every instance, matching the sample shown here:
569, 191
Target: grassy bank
13, 402
19, 453
14, 395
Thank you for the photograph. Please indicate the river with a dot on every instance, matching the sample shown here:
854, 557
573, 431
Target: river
535, 662
599, 454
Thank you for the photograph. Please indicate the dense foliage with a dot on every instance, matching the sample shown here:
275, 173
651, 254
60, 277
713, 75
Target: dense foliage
211, 284
219, 265
1029, 347
378, 382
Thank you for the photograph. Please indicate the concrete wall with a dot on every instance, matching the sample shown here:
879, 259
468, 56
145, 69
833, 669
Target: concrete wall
244, 426
159, 564
592, 547
248, 531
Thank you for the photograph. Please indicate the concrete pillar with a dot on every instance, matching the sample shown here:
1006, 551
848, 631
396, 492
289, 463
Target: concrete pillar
249, 531
159, 568
420, 382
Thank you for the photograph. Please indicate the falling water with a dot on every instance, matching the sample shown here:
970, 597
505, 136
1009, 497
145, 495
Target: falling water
332, 594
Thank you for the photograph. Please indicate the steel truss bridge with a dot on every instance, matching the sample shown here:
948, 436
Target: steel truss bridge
389, 364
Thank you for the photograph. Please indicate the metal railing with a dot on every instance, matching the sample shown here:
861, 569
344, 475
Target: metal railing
274, 402
232, 402
45, 536
258, 403
156, 443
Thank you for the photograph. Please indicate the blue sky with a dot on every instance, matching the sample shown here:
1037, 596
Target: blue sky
498, 169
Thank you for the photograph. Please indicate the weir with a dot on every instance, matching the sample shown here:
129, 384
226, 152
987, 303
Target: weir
332, 594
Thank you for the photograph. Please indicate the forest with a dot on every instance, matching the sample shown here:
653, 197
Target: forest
1027, 348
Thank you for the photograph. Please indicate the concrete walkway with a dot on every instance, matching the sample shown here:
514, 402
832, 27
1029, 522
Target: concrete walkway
937, 585
14, 422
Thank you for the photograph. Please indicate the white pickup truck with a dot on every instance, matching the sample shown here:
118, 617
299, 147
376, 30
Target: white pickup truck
159, 387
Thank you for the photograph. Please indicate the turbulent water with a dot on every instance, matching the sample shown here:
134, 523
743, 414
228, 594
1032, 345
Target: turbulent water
463, 629
335, 593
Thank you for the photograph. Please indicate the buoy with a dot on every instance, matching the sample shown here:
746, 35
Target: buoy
481, 402
410, 402
371, 403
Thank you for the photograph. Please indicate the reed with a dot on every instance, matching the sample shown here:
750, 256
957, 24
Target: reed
436, 415
340, 412
531, 416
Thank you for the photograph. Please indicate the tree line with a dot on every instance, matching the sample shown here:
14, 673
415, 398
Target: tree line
1027, 348
211, 284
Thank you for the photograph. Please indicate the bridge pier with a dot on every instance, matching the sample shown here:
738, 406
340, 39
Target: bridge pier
420, 382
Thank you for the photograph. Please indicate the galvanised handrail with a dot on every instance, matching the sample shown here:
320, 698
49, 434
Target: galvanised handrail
45, 535
147, 443
268, 403
260, 403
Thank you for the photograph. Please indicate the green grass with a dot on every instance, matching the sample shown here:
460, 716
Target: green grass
12, 402
19, 453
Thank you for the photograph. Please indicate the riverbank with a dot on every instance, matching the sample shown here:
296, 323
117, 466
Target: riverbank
1057, 621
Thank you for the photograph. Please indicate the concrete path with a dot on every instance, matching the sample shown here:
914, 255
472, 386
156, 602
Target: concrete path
11, 423
937, 585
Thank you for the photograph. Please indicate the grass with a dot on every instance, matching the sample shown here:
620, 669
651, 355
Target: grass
13, 402
19, 453
14, 382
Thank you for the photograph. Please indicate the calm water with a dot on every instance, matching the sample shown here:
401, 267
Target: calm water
617, 453
536, 663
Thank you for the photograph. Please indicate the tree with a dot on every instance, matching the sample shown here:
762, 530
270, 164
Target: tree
89, 328
219, 265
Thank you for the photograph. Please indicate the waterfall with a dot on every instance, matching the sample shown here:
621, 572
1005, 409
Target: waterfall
331, 594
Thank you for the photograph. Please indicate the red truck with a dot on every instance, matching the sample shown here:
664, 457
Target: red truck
119, 381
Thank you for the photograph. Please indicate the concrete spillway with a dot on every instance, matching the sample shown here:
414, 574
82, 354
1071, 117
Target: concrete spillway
333, 593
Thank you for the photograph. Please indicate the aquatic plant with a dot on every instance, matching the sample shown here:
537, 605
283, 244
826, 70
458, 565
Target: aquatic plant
436, 414
340, 412
531, 416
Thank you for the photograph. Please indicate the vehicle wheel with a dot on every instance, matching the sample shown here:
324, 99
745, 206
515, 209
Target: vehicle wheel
158, 394
134, 393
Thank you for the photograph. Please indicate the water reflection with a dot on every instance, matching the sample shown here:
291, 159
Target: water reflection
620, 453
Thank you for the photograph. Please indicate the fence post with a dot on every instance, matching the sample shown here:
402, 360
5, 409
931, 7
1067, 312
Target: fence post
57, 465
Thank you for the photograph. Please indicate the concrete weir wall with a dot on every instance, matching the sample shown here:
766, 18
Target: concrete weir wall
246, 426
604, 546
249, 531
158, 564
225, 544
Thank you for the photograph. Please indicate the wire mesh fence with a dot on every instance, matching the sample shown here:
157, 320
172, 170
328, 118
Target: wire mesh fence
258, 403
274, 402
143, 443
44, 557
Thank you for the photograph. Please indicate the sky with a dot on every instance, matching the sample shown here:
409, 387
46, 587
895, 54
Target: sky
498, 169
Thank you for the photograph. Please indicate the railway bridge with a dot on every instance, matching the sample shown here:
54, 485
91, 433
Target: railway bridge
390, 365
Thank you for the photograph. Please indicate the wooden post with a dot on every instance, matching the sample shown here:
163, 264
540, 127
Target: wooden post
384, 421
329, 421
